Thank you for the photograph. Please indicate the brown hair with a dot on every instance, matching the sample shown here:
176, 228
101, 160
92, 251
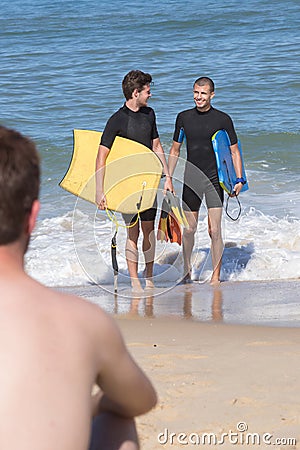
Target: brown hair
135, 79
19, 182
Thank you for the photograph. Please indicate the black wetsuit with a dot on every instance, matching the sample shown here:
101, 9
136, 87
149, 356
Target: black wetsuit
138, 126
201, 174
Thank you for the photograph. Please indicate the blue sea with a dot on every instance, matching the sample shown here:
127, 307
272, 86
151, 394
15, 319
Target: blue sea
62, 64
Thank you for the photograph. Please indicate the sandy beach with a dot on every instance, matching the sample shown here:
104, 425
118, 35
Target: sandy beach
218, 379
225, 363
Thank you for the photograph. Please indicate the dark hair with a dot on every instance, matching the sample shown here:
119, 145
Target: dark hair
135, 79
19, 182
206, 80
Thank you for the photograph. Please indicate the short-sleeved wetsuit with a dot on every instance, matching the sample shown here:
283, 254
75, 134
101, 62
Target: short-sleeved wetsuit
201, 174
138, 126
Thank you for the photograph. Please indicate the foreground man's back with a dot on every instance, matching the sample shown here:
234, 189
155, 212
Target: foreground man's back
54, 348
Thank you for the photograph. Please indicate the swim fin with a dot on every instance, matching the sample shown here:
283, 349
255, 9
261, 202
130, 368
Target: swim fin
174, 229
176, 209
162, 231
169, 228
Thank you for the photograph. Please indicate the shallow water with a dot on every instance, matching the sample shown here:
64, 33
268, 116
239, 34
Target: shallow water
61, 68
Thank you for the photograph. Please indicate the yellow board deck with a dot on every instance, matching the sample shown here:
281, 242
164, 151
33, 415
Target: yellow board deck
132, 172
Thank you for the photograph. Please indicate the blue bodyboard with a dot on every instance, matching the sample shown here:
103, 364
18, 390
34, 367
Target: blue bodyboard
226, 172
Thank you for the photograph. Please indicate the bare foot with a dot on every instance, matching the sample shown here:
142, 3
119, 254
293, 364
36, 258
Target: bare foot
215, 282
136, 287
149, 284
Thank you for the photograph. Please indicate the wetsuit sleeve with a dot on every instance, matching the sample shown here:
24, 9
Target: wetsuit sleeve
155, 134
111, 130
229, 127
178, 127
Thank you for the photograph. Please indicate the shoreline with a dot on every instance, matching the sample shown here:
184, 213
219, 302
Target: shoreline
265, 303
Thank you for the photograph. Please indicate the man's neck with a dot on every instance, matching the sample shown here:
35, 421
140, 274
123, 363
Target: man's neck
11, 257
132, 105
203, 110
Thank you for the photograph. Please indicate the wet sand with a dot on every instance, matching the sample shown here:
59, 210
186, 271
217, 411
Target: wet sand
275, 303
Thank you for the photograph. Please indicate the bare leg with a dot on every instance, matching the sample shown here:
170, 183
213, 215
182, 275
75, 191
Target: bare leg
132, 256
111, 432
217, 246
148, 250
188, 240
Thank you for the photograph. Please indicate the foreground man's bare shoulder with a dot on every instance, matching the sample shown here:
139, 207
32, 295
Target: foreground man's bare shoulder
89, 314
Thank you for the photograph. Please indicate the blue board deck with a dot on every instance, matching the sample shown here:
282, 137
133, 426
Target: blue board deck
226, 172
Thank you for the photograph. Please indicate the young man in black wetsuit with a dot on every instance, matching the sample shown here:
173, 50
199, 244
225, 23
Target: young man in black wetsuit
136, 121
198, 125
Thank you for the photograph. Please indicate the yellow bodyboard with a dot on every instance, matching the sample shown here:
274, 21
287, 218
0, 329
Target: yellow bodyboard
132, 172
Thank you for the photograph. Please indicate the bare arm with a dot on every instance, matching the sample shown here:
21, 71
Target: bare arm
158, 149
125, 389
100, 172
173, 156
237, 163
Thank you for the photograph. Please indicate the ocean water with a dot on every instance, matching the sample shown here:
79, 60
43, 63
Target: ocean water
62, 64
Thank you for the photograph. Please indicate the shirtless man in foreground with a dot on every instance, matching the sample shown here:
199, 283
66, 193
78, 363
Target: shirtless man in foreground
55, 348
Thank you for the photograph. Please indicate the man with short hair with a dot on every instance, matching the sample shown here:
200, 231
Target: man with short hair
135, 121
55, 349
198, 125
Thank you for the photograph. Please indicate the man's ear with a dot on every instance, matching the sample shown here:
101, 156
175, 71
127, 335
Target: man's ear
33, 216
135, 93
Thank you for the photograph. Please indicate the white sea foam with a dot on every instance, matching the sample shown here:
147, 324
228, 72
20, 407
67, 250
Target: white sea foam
266, 247
75, 249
